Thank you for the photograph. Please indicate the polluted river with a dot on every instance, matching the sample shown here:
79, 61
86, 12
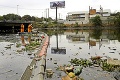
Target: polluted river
67, 50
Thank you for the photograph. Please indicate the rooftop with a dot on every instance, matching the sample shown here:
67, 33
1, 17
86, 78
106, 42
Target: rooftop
83, 12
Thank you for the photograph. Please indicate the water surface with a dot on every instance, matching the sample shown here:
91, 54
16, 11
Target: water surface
77, 45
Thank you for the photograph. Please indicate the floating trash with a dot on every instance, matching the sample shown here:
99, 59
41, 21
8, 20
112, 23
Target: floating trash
8, 47
49, 73
19, 50
71, 75
111, 52
29, 53
80, 48
78, 70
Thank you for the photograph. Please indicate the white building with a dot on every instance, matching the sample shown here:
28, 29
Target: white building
82, 17
80, 36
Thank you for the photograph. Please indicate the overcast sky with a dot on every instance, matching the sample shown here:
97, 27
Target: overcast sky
37, 7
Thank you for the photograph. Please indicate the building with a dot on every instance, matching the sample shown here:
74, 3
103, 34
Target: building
82, 17
79, 37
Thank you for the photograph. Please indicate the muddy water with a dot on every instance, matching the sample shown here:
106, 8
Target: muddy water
12, 63
80, 49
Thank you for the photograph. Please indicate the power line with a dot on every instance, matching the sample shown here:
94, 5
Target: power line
31, 9
19, 7
7, 6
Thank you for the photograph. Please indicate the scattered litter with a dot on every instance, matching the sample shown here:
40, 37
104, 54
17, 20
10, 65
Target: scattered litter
49, 73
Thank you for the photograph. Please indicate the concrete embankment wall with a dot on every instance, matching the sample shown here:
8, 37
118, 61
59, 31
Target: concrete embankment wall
36, 70
39, 72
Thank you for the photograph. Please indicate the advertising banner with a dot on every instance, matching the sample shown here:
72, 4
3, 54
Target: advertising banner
61, 50
58, 4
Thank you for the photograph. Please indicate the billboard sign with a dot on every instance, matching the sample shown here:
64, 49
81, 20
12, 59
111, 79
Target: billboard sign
61, 50
58, 4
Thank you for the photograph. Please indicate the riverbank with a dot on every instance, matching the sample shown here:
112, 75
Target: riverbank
36, 69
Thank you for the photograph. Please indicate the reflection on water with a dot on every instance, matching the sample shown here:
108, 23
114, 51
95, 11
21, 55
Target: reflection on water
72, 43
13, 55
83, 44
58, 50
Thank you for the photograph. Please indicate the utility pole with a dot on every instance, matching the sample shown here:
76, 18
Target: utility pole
89, 26
17, 9
42, 16
57, 28
89, 13
48, 12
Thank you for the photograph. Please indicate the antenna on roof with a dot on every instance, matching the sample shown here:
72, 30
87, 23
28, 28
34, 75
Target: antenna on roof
101, 10
91, 7
89, 12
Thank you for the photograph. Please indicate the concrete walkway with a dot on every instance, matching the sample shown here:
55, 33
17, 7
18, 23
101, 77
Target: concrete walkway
36, 70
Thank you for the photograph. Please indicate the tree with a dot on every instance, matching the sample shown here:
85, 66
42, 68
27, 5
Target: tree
26, 18
14, 17
96, 21
117, 24
38, 19
1, 18
117, 19
76, 24
11, 17
32, 18
97, 33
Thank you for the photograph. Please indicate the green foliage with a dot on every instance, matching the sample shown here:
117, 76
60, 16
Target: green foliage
117, 24
33, 18
26, 18
11, 17
14, 17
109, 67
44, 25
102, 63
97, 33
18, 45
38, 19
117, 20
1, 18
81, 62
32, 45
96, 21
76, 24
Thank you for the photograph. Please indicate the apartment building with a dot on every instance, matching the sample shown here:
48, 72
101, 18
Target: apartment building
82, 17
